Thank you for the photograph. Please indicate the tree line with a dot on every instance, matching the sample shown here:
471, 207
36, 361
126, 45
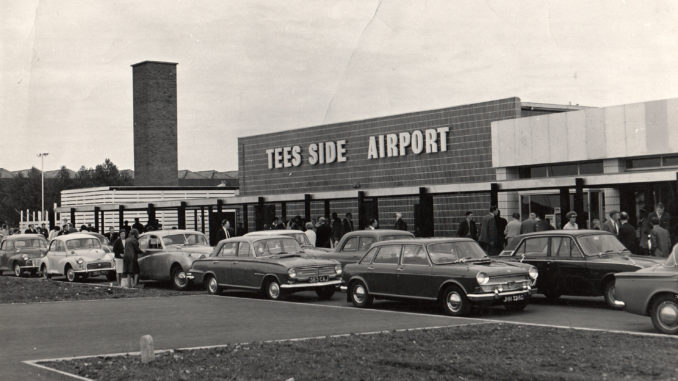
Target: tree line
24, 191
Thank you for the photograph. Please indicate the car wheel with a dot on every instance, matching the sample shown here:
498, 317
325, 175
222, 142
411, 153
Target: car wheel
111, 276
454, 302
178, 276
44, 272
664, 313
550, 294
272, 290
17, 270
325, 293
609, 294
70, 274
212, 285
359, 295
516, 307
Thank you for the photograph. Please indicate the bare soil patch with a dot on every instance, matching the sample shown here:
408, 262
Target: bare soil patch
32, 290
476, 352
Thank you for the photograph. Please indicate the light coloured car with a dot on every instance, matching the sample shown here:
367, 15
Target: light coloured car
299, 235
168, 254
77, 255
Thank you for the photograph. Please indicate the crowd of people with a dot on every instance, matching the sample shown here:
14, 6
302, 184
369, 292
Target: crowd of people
651, 237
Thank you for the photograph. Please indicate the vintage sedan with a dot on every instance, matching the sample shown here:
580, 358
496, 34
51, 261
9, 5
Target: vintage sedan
452, 271
575, 262
353, 245
274, 265
21, 253
652, 291
77, 255
168, 254
296, 234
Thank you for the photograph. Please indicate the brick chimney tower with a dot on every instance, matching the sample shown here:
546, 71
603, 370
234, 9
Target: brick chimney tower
155, 123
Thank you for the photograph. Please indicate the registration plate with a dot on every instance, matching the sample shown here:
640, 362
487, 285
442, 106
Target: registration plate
514, 298
96, 273
315, 279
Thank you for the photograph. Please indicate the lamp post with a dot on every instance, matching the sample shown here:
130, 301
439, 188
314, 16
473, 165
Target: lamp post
42, 176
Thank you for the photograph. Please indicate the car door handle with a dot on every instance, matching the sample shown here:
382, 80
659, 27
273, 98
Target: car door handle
215, 262
370, 268
400, 269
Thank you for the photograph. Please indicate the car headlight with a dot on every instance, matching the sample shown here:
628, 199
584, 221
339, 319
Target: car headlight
482, 278
534, 273
292, 273
24, 257
337, 269
80, 261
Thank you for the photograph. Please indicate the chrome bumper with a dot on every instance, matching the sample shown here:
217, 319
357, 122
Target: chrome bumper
343, 288
495, 295
94, 270
311, 285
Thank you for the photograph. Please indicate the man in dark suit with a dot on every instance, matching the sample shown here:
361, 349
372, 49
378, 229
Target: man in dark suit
529, 225
488, 232
224, 232
348, 223
468, 228
627, 233
612, 223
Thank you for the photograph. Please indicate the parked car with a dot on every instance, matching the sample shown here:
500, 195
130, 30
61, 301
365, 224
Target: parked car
168, 254
21, 253
353, 245
274, 265
77, 255
305, 244
452, 271
575, 262
652, 291
105, 244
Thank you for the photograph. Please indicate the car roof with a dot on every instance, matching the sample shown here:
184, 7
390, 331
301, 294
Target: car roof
27, 235
73, 236
379, 232
273, 232
566, 232
170, 232
255, 237
424, 240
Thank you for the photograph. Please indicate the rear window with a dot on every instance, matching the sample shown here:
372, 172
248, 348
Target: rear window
397, 236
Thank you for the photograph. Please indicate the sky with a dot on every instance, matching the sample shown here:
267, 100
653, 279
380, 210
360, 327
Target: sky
254, 67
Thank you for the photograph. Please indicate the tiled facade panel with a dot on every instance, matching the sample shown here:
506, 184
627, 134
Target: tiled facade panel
388, 207
343, 206
467, 159
294, 209
450, 209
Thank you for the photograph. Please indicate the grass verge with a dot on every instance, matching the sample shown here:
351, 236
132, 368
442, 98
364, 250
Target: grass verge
476, 352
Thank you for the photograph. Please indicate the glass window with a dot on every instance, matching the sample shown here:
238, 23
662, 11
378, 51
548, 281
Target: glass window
388, 254
83, 244
365, 242
10, 245
155, 243
451, 252
228, 249
561, 247
392, 237
536, 247
539, 171
414, 255
670, 161
646, 162
368, 257
143, 242
244, 249
591, 168
564, 170
3, 245
351, 244
595, 244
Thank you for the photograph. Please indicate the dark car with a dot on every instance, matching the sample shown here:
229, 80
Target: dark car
353, 245
299, 235
21, 253
653, 291
452, 271
274, 265
575, 262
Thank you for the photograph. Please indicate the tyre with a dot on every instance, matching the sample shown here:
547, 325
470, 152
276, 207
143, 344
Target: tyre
359, 295
609, 294
44, 272
454, 302
550, 294
70, 274
111, 276
272, 290
17, 270
516, 307
325, 293
212, 285
664, 314
178, 277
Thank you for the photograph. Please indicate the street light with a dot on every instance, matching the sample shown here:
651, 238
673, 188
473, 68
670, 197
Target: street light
42, 175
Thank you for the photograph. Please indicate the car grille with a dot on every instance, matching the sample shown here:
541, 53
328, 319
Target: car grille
507, 283
309, 272
98, 265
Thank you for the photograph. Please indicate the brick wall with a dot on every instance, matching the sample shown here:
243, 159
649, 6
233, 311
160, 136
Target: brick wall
467, 159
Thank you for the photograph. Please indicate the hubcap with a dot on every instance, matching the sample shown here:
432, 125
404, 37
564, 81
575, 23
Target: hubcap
668, 314
274, 290
70, 274
180, 278
454, 301
359, 294
213, 285
17, 270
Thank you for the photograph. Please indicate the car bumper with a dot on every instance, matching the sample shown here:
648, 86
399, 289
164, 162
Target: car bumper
497, 296
89, 271
288, 286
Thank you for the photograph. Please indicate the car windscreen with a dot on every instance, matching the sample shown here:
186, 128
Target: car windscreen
185, 239
672, 261
83, 244
276, 246
302, 239
596, 244
452, 252
32, 243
